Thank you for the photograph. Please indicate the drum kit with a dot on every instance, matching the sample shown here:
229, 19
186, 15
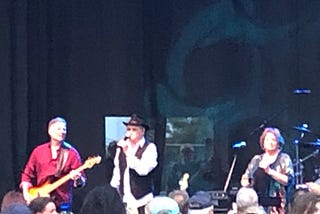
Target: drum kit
298, 162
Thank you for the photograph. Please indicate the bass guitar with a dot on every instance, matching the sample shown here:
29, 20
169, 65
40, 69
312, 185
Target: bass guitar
46, 188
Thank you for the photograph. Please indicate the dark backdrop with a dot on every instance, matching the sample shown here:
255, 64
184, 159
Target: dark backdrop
236, 62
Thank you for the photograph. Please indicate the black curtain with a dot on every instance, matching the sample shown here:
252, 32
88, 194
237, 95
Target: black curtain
231, 61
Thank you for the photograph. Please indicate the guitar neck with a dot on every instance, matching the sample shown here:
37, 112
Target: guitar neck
63, 179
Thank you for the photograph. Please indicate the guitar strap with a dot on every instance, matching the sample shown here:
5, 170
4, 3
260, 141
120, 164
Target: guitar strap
62, 158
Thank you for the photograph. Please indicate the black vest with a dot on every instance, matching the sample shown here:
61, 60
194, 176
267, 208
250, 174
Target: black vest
140, 185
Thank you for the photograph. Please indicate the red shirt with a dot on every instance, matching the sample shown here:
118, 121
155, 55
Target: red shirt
41, 166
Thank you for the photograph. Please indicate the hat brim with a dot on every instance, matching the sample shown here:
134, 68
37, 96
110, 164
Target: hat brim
136, 124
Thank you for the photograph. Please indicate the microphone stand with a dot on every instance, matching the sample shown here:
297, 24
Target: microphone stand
230, 172
266, 121
298, 163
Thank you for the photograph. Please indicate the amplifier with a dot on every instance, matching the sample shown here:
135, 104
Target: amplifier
221, 201
269, 201
218, 194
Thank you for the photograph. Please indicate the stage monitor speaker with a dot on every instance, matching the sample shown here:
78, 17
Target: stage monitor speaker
267, 201
221, 201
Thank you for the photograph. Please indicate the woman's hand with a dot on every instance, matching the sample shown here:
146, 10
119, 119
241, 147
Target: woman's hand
245, 181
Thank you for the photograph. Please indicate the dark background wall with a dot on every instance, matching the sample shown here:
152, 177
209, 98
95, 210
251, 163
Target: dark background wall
236, 62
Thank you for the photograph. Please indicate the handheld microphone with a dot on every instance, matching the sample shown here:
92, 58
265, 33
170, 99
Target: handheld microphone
239, 144
123, 142
302, 91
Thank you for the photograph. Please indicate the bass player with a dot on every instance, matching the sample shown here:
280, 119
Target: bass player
50, 161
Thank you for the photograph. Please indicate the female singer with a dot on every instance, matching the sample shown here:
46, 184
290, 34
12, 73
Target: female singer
271, 173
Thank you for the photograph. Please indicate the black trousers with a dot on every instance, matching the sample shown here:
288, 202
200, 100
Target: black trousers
141, 210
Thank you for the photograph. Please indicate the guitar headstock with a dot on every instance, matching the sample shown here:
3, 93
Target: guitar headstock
184, 181
91, 161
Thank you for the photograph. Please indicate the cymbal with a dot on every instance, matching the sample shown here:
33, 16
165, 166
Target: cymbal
303, 128
316, 143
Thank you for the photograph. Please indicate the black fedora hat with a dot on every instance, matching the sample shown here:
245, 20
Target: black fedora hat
135, 120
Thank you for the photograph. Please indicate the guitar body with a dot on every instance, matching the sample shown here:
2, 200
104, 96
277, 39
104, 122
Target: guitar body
40, 191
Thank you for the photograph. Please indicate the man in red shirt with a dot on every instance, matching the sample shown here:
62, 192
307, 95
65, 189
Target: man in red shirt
51, 168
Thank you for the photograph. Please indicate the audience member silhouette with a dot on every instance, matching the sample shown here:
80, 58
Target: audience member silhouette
43, 205
17, 208
305, 203
12, 197
200, 202
247, 202
102, 200
181, 197
162, 204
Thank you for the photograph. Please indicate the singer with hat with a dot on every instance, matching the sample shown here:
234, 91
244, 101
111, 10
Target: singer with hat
135, 160
271, 173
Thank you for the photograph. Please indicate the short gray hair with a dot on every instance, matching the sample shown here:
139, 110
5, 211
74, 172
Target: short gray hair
55, 120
